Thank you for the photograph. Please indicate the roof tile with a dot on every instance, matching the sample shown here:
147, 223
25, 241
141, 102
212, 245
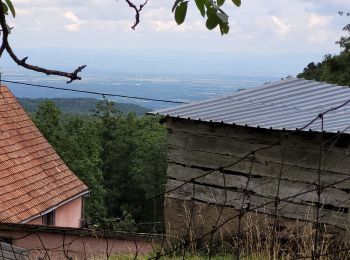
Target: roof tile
33, 178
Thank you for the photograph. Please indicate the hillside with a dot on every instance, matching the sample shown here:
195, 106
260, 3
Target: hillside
334, 69
79, 105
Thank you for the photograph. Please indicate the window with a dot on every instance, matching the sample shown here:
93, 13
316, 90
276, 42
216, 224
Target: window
49, 218
7, 240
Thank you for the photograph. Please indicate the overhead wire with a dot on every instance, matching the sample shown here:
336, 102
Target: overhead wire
93, 92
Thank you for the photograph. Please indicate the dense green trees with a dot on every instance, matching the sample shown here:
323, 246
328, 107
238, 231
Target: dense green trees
120, 157
76, 140
133, 162
334, 68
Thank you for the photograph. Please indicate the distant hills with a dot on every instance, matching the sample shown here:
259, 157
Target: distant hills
82, 106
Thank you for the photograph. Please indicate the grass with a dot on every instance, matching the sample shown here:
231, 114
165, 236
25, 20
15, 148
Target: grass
259, 242
130, 257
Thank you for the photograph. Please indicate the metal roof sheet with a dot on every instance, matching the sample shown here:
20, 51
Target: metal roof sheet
288, 104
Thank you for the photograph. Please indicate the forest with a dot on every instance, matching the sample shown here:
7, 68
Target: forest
121, 158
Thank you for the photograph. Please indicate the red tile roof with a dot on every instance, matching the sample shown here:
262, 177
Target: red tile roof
33, 178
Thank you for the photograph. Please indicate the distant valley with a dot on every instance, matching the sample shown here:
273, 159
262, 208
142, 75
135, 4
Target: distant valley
173, 87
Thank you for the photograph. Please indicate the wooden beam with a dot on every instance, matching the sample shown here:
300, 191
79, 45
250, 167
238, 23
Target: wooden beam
262, 186
237, 200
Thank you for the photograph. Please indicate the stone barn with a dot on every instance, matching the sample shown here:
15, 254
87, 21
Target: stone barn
274, 153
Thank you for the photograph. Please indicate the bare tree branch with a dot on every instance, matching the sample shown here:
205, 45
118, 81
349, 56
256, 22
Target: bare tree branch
5, 45
137, 11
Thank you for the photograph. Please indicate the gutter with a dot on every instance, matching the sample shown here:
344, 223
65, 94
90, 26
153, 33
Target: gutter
84, 193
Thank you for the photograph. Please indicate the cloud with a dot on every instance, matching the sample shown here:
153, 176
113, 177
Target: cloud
268, 26
76, 22
71, 16
316, 20
72, 27
272, 26
171, 26
282, 28
328, 7
160, 26
21, 11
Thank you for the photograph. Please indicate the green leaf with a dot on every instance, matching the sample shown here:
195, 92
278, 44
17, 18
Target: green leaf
220, 2
180, 12
224, 28
5, 9
223, 17
200, 6
237, 2
176, 4
211, 11
10, 6
212, 21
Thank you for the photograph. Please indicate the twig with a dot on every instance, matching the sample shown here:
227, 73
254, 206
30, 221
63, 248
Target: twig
5, 45
137, 11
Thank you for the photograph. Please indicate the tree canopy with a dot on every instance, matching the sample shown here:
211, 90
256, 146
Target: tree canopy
333, 69
121, 158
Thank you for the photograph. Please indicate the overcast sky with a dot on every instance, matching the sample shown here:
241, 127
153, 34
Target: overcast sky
267, 38
269, 26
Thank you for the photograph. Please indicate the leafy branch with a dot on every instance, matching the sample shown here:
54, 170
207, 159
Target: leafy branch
344, 41
209, 9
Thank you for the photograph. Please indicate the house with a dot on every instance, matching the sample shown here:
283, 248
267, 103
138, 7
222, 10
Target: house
36, 187
280, 149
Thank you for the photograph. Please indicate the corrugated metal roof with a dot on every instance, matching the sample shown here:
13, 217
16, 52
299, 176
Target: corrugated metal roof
286, 104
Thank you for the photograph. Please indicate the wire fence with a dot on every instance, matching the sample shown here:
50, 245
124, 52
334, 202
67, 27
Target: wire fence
316, 221
226, 209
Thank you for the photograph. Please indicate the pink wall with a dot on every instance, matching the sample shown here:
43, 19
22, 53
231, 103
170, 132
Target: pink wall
36, 221
69, 215
52, 243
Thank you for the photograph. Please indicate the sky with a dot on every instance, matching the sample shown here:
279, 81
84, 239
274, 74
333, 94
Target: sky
298, 30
